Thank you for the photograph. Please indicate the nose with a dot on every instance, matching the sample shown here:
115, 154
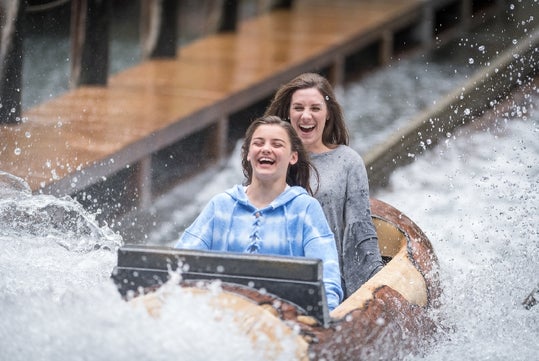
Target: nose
306, 114
266, 147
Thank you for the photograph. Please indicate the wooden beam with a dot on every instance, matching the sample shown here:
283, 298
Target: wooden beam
89, 42
337, 71
144, 181
283, 4
158, 23
229, 16
11, 55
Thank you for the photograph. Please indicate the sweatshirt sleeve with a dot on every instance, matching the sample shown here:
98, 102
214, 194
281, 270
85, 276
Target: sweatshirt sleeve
360, 251
320, 244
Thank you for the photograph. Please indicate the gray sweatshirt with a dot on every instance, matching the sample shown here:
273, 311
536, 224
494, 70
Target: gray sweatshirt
344, 195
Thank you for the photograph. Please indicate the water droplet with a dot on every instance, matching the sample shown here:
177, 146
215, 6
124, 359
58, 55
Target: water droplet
470, 61
17, 151
27, 134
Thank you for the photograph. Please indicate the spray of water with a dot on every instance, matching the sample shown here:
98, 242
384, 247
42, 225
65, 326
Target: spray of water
476, 197
58, 301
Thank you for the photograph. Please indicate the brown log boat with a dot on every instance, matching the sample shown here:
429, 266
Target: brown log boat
276, 298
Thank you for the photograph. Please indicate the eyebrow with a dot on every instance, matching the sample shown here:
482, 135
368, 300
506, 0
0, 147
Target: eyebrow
297, 103
271, 140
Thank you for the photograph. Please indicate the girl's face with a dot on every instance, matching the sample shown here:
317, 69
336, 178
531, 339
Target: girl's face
308, 115
270, 153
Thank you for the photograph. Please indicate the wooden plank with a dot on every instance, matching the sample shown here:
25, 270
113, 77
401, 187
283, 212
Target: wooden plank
91, 124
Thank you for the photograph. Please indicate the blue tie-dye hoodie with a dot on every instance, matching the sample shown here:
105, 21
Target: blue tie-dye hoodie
292, 225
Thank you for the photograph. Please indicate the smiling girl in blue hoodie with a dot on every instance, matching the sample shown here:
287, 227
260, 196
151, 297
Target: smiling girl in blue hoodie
273, 212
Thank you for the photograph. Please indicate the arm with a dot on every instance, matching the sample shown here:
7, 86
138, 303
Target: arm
319, 243
361, 254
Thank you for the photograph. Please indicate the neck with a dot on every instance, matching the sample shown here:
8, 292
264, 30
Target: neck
318, 148
261, 194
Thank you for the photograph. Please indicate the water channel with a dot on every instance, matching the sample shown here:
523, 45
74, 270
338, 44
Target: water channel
475, 195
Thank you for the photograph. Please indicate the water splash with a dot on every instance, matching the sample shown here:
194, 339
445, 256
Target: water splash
476, 197
61, 219
58, 302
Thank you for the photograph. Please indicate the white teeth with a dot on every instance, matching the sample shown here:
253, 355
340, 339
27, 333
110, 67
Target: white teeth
306, 127
265, 160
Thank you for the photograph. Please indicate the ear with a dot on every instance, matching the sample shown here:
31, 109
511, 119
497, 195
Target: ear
293, 158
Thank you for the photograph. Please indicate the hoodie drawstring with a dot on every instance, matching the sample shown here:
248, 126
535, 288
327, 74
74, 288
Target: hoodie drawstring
254, 245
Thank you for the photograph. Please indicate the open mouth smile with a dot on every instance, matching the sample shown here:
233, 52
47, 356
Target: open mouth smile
307, 128
265, 160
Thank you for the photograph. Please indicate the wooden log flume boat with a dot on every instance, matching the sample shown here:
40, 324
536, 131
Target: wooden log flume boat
277, 297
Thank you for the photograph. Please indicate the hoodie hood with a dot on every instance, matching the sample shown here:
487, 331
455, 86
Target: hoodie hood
238, 194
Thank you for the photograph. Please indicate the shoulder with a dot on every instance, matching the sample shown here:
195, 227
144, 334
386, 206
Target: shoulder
298, 196
230, 195
303, 199
348, 153
294, 194
341, 157
237, 192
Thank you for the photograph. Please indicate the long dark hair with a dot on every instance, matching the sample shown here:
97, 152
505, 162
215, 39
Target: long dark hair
298, 174
335, 131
